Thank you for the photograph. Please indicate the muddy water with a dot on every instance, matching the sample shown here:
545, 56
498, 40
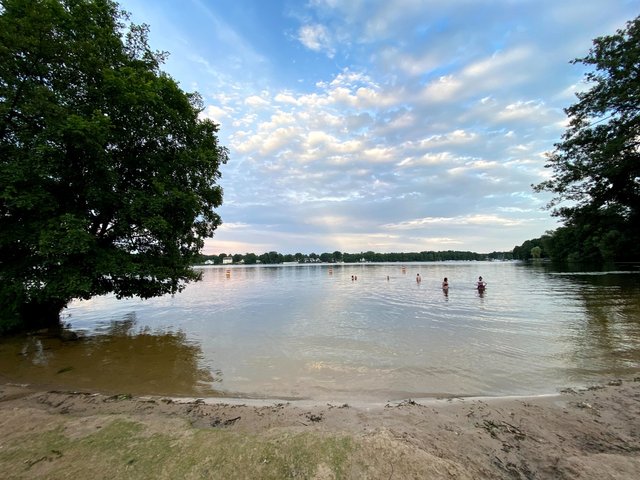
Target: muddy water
119, 359
369, 332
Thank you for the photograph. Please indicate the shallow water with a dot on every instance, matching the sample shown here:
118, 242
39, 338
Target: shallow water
314, 332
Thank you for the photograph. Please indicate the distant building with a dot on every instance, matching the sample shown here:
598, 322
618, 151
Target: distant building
227, 260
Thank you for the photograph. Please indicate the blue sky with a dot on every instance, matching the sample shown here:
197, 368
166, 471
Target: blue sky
393, 125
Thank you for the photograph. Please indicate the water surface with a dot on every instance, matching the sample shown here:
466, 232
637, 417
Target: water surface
318, 332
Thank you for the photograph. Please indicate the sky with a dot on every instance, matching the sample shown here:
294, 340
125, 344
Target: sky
391, 125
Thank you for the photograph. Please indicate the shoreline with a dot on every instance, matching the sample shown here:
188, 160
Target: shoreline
257, 401
358, 403
212, 397
591, 433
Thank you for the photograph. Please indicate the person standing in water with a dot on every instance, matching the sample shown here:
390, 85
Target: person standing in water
418, 279
481, 284
445, 283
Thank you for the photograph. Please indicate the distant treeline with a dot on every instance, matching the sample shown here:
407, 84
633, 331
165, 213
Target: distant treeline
598, 241
334, 257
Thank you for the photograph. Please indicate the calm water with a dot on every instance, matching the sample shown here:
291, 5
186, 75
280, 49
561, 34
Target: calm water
313, 332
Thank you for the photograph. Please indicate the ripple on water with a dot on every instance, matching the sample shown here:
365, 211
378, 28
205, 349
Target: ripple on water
306, 332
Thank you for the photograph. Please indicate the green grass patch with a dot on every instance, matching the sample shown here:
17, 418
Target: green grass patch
127, 450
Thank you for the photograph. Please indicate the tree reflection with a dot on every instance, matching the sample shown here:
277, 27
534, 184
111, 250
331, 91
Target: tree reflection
608, 336
117, 359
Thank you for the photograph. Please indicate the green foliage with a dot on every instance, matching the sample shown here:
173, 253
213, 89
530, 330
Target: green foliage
107, 174
531, 248
595, 237
596, 166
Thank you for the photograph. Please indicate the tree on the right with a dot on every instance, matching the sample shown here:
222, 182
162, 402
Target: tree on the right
596, 165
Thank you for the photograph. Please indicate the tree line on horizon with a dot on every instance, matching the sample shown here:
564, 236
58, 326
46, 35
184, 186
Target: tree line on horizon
273, 258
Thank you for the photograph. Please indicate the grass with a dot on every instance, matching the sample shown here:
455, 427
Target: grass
125, 449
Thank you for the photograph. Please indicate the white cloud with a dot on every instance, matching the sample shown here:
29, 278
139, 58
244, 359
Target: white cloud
402, 125
440, 158
522, 110
255, 101
457, 137
215, 113
444, 89
286, 97
499, 63
467, 220
316, 37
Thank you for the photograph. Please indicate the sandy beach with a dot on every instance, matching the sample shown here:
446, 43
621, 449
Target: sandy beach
589, 433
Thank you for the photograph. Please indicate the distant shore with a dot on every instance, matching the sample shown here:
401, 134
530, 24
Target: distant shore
590, 433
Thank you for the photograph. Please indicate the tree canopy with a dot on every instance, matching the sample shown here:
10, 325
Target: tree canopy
108, 175
596, 166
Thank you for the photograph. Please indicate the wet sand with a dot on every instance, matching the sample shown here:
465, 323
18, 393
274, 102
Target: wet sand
592, 433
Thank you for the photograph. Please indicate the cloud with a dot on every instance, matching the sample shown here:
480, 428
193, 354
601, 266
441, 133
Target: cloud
286, 97
316, 37
440, 158
467, 220
255, 101
215, 113
328, 148
522, 110
390, 126
500, 70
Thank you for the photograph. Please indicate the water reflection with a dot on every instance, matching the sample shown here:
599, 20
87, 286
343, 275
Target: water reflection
312, 331
607, 336
117, 359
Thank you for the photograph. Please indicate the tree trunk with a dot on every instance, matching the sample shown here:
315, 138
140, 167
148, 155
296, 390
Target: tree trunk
41, 314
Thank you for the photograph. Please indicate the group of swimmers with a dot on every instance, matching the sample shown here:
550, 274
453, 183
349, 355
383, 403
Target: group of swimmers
481, 285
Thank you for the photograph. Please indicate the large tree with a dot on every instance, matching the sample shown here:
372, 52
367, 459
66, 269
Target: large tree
596, 166
108, 176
